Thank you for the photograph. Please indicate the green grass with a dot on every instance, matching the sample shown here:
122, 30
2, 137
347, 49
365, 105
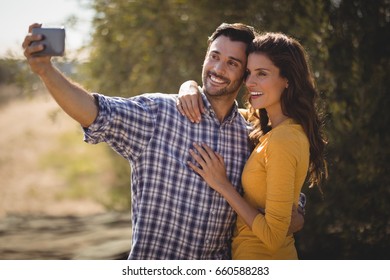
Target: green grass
89, 171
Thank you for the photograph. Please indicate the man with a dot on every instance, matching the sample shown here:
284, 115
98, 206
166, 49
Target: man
174, 214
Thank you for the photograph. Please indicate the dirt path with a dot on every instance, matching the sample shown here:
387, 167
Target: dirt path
28, 129
104, 236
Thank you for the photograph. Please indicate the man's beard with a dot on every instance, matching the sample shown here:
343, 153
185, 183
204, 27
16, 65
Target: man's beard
229, 89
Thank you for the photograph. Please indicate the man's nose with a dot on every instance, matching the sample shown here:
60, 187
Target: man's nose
220, 67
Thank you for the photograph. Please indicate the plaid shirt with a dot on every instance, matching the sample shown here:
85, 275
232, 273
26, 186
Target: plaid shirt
175, 215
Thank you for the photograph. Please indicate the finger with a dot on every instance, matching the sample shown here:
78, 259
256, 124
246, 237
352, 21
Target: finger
181, 104
220, 157
179, 107
192, 107
195, 168
293, 214
187, 108
196, 113
26, 42
31, 38
34, 25
28, 51
207, 158
294, 211
199, 159
210, 151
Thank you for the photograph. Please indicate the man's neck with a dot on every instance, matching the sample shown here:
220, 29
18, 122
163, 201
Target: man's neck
221, 106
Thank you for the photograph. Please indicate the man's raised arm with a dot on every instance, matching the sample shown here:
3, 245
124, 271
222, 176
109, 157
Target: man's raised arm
72, 98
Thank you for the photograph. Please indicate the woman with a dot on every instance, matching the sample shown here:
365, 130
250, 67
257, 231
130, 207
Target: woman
289, 147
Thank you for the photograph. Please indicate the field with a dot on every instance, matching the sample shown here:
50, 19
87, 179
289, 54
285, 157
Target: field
56, 192
45, 167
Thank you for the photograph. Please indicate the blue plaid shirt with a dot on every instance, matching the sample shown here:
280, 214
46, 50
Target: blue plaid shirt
175, 215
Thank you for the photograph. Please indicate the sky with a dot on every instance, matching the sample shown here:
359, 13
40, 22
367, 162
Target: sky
17, 15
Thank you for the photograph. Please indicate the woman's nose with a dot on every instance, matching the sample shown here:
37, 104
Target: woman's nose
249, 80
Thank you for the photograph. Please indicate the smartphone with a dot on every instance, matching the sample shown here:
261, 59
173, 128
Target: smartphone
53, 40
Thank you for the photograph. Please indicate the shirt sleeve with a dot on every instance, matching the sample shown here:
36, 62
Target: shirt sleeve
126, 124
281, 157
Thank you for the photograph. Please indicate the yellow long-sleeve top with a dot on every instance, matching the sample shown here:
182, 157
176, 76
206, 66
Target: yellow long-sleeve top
272, 179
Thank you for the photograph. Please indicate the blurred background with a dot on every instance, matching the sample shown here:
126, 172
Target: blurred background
61, 198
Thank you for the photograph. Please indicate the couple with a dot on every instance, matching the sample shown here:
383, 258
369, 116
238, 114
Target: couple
175, 214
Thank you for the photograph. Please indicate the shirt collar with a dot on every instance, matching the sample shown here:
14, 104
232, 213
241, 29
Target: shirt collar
210, 111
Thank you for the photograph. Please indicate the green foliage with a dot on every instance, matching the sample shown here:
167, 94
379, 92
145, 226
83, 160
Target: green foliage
146, 46
83, 176
356, 206
16, 72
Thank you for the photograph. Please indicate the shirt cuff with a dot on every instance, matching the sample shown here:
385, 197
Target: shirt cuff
95, 132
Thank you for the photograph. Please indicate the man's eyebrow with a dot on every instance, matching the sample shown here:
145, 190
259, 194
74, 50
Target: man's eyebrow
230, 57
236, 59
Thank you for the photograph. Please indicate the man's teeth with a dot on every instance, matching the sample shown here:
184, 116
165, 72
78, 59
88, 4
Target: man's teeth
256, 93
216, 80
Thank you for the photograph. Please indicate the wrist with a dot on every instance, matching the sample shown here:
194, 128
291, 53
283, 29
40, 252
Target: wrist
227, 190
45, 71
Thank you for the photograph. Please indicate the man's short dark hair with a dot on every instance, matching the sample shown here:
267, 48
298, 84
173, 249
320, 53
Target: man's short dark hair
235, 32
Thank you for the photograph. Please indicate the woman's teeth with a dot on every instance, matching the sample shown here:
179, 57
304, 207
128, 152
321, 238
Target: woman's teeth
256, 93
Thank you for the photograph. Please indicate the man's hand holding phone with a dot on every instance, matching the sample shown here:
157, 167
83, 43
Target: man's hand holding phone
40, 45
53, 40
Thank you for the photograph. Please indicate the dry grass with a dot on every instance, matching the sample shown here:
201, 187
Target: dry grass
45, 167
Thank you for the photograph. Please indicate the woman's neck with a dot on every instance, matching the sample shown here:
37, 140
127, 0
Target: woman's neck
276, 119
